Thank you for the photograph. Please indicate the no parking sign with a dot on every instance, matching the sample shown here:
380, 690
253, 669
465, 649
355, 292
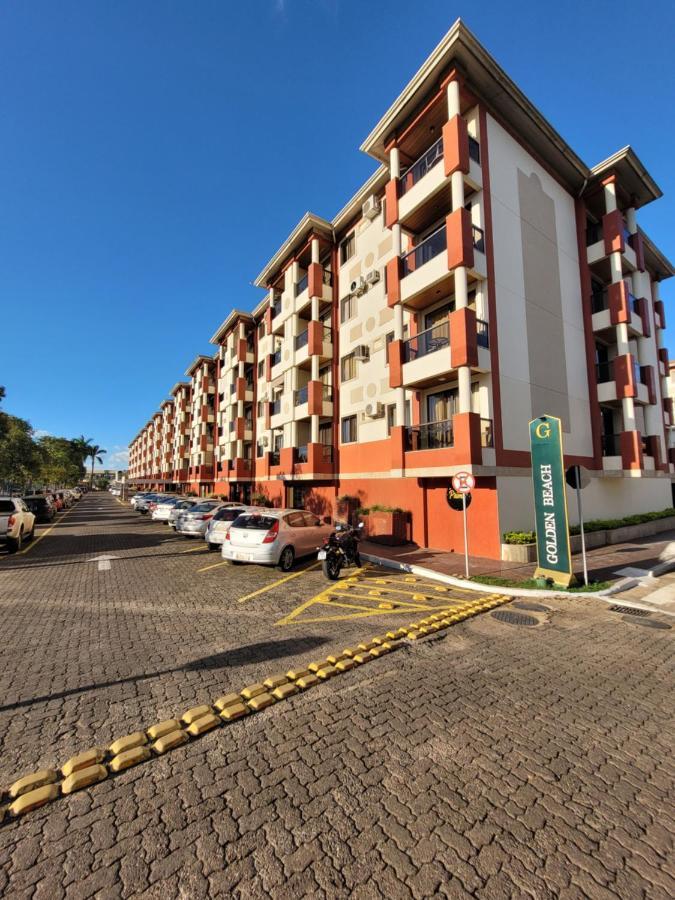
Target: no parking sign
462, 483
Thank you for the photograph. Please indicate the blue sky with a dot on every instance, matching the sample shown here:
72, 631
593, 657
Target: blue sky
153, 156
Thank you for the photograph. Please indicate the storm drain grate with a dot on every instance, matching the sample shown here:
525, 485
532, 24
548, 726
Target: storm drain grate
514, 618
649, 623
533, 607
630, 610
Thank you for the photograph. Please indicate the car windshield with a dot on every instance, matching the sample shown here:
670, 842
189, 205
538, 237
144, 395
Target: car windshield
185, 504
168, 501
203, 507
227, 515
257, 523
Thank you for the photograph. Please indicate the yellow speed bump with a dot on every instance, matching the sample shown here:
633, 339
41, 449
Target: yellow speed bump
191, 715
30, 783
169, 741
203, 724
226, 700
307, 681
294, 674
128, 742
161, 728
83, 761
275, 681
129, 758
261, 701
253, 690
34, 799
83, 778
284, 690
234, 711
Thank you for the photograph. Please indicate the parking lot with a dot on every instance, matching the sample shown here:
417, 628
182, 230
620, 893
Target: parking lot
488, 760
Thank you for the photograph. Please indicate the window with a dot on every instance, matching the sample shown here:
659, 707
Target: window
347, 248
261, 369
391, 417
348, 430
347, 308
348, 367
295, 520
261, 329
261, 409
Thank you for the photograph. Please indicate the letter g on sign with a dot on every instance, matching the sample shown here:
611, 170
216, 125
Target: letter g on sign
543, 430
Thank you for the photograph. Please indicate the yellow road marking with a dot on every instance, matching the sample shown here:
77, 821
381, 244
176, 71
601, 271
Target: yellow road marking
194, 550
40, 536
416, 604
225, 562
277, 583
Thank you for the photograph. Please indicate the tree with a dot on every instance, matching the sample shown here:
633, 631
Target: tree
96, 453
20, 456
83, 446
62, 461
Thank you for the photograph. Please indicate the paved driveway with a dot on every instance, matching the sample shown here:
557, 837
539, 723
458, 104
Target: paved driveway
492, 760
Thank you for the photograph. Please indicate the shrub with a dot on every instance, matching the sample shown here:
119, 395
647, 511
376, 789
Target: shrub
378, 507
529, 537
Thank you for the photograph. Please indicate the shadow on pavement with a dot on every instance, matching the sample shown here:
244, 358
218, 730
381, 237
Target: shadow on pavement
228, 659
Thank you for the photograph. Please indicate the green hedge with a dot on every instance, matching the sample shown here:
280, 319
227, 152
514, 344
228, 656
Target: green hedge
529, 537
378, 507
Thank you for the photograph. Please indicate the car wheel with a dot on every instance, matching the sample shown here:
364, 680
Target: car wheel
212, 547
286, 559
15, 545
31, 536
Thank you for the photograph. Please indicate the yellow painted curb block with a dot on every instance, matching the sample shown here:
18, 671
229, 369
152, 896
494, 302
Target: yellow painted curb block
226, 700
284, 690
191, 715
129, 758
32, 782
307, 681
83, 761
235, 711
336, 658
315, 666
261, 701
253, 690
294, 674
169, 741
83, 778
137, 739
344, 665
34, 799
203, 724
361, 658
275, 681
327, 672
161, 728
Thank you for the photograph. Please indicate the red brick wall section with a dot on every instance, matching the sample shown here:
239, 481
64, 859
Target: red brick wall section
612, 232
619, 304
460, 243
315, 279
624, 376
455, 146
393, 270
391, 203
631, 450
395, 353
463, 338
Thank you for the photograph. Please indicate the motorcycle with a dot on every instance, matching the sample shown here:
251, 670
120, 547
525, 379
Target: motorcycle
340, 549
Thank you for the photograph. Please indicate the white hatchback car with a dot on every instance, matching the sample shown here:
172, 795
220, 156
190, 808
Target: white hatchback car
219, 525
274, 537
163, 509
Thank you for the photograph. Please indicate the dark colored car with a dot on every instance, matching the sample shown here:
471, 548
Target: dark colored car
41, 506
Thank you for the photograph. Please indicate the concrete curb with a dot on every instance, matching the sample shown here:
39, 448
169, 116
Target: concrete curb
423, 572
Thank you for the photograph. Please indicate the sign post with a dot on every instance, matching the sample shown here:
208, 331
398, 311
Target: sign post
462, 483
577, 478
554, 560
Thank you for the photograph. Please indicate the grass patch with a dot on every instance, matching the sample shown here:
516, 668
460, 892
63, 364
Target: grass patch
531, 583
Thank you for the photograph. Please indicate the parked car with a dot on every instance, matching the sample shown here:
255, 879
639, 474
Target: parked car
160, 509
143, 504
192, 522
17, 523
41, 506
138, 496
275, 537
57, 501
219, 525
161, 498
65, 499
180, 507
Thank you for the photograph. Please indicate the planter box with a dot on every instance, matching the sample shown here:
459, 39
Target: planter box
386, 527
527, 553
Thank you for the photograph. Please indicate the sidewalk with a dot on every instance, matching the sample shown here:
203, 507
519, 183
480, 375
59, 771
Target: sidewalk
604, 563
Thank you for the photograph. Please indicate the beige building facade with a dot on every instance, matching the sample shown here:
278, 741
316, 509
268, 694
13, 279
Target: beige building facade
484, 275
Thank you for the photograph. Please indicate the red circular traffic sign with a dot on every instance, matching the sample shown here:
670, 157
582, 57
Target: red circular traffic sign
463, 482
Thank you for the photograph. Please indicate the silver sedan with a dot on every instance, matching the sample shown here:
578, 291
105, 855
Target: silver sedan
192, 522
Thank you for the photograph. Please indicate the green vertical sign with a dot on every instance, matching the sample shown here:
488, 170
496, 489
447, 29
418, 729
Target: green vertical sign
550, 501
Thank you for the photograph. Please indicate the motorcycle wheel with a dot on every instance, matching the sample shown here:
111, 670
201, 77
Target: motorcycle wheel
331, 568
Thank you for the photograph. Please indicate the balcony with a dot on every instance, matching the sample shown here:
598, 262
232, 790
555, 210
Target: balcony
430, 436
314, 399
428, 268
430, 356
428, 178
426, 342
275, 407
301, 340
610, 445
622, 377
315, 341
275, 457
301, 396
301, 285
610, 237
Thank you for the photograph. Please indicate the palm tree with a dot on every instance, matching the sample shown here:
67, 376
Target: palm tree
96, 453
83, 447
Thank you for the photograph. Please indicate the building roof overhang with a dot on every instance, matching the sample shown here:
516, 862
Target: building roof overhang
485, 78
631, 175
178, 385
353, 208
166, 403
296, 239
656, 262
196, 363
228, 324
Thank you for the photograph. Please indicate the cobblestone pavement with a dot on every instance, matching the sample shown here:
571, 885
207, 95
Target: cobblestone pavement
494, 761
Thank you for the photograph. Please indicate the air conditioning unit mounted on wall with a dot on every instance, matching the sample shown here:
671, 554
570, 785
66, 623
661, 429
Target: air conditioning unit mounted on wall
371, 208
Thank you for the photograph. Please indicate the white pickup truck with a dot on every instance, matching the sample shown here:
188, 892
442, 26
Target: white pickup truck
17, 523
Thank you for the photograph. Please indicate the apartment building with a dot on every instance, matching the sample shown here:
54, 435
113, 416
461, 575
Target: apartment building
484, 275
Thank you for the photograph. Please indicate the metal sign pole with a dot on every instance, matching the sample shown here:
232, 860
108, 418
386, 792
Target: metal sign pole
581, 531
466, 536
